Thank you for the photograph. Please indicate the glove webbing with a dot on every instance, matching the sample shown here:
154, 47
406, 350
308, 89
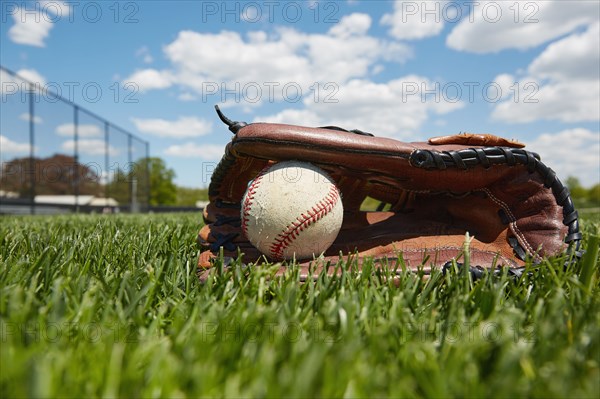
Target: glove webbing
472, 157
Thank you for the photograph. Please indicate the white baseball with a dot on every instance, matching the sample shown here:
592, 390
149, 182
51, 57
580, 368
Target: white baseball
292, 209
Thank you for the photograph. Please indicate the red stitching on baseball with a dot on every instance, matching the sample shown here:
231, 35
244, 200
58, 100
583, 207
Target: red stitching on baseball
291, 232
250, 197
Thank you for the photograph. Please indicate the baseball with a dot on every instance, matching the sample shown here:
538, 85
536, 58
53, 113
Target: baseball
292, 209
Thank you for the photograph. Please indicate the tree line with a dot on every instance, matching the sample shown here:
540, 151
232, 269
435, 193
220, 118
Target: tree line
62, 175
583, 197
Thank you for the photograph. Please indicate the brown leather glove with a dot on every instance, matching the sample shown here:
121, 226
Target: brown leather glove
502, 195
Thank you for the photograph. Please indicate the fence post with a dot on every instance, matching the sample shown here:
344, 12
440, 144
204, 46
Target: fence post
32, 171
148, 176
131, 172
106, 164
76, 156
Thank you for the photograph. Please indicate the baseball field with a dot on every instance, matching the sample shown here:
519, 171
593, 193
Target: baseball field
110, 306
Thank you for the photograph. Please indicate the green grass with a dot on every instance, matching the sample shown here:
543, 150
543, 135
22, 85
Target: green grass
107, 306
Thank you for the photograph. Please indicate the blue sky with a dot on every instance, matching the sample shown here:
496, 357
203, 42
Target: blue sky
404, 69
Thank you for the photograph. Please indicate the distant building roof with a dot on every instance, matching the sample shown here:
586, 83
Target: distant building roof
8, 194
97, 201
75, 200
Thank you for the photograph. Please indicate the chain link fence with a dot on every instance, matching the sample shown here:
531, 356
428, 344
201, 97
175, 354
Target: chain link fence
57, 157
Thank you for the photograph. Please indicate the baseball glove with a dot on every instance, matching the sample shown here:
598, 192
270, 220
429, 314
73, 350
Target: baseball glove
512, 204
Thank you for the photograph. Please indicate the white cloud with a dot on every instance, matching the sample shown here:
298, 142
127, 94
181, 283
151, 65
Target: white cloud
89, 147
12, 147
59, 9
303, 117
30, 27
26, 117
377, 68
414, 20
8, 84
189, 126
32, 75
563, 83
353, 25
396, 109
562, 101
144, 53
205, 62
572, 152
149, 79
12, 85
32, 23
506, 83
83, 130
252, 13
207, 152
187, 97
493, 26
576, 57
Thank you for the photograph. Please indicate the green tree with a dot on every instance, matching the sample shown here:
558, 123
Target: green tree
119, 187
189, 196
594, 195
575, 187
162, 188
